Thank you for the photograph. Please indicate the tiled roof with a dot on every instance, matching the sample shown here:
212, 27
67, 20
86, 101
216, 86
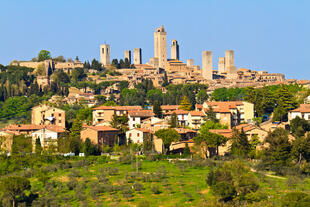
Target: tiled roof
245, 127
17, 127
197, 113
141, 113
184, 131
120, 108
303, 108
101, 128
170, 107
199, 106
177, 112
225, 132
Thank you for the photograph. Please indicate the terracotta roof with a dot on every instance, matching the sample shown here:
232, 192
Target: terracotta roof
170, 107
245, 127
160, 123
17, 127
55, 128
120, 108
177, 112
141, 113
199, 106
225, 132
102, 128
184, 131
197, 113
303, 108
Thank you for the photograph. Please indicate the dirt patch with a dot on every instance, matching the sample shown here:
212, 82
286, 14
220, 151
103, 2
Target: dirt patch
205, 191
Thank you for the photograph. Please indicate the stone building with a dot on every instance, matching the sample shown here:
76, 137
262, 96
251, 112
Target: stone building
100, 135
137, 56
175, 50
105, 54
47, 115
128, 55
207, 65
160, 46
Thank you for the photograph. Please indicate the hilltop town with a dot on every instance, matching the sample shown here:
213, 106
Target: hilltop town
119, 131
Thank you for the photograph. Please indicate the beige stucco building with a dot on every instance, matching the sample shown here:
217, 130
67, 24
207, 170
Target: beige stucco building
48, 115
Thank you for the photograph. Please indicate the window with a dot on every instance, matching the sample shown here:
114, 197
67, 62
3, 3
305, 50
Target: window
52, 115
59, 121
129, 134
59, 114
102, 50
134, 125
138, 135
133, 119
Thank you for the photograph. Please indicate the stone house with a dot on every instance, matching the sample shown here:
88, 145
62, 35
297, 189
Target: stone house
196, 119
303, 111
48, 115
105, 113
100, 135
138, 135
182, 116
137, 117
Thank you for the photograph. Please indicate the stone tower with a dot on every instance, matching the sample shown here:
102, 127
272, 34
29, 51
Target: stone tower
137, 56
207, 65
221, 66
175, 50
160, 46
128, 55
105, 54
229, 61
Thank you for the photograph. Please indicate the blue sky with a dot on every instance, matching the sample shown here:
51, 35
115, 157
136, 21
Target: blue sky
272, 35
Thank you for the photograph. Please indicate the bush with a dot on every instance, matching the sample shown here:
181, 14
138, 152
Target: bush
295, 199
144, 203
127, 192
126, 159
138, 186
155, 189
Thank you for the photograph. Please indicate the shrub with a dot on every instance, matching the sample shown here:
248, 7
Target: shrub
127, 192
126, 159
72, 184
295, 199
155, 189
138, 186
144, 203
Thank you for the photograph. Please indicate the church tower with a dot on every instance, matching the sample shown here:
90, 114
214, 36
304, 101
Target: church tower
160, 46
175, 50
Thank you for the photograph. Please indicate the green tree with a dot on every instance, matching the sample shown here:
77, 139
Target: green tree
285, 102
299, 126
240, 145
202, 96
22, 144
233, 180
168, 136
13, 187
157, 110
301, 148
185, 104
96, 65
78, 74
44, 55
173, 121
278, 154
75, 134
208, 141
38, 147
211, 115
89, 149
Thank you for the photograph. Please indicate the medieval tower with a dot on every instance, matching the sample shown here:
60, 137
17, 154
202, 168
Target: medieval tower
105, 54
175, 50
137, 56
128, 56
207, 72
160, 46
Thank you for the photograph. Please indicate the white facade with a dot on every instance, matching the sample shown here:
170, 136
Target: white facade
46, 137
135, 135
133, 122
293, 115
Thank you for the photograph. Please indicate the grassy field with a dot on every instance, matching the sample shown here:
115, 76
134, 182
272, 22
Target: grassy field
157, 183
